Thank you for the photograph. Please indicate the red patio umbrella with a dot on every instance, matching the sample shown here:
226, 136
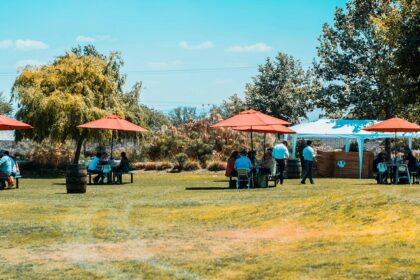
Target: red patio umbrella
266, 129
394, 125
11, 124
250, 119
112, 123
275, 128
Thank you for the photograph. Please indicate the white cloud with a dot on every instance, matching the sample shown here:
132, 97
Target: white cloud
23, 45
258, 47
203, 45
163, 65
29, 62
26, 45
6, 44
82, 38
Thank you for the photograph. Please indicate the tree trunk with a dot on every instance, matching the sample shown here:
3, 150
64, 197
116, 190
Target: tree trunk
79, 146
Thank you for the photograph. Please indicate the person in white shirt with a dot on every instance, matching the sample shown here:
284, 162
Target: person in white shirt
308, 157
280, 154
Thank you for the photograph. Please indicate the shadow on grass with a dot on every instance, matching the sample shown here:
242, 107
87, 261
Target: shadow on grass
220, 181
206, 188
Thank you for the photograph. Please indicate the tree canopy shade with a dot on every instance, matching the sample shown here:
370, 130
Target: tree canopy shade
282, 89
78, 87
358, 66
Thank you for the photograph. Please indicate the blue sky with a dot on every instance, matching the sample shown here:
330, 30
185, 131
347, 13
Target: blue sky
186, 53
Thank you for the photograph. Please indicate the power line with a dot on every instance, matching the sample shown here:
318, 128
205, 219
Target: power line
184, 70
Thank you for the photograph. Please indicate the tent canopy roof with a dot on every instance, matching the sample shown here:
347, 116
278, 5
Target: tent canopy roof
331, 128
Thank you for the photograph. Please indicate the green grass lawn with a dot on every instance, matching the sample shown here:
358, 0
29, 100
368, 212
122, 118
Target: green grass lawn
164, 227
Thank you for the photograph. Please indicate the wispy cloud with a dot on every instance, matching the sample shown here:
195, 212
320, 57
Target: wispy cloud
203, 45
84, 39
23, 44
91, 39
6, 44
28, 62
258, 47
163, 65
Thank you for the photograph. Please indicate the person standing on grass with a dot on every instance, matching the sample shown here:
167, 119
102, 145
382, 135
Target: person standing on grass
308, 156
280, 154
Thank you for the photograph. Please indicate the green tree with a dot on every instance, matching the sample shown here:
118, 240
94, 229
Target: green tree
282, 89
400, 29
75, 88
230, 107
361, 79
182, 115
5, 107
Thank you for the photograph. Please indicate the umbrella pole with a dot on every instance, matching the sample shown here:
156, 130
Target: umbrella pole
264, 143
252, 141
112, 142
395, 146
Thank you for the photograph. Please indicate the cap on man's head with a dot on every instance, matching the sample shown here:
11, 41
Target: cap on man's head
243, 152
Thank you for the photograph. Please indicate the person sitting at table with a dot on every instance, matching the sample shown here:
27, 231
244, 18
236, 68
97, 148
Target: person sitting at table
6, 170
15, 166
267, 162
93, 168
380, 168
124, 166
230, 170
243, 162
252, 155
411, 160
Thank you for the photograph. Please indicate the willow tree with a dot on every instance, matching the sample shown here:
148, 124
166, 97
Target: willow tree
75, 88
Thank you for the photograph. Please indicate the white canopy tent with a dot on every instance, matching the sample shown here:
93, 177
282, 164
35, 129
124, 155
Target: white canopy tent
343, 129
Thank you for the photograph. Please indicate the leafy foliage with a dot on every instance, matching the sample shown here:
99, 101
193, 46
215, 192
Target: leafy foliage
5, 107
282, 89
358, 67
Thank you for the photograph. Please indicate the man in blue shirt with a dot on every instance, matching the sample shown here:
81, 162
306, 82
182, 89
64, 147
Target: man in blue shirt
93, 168
280, 154
308, 156
243, 162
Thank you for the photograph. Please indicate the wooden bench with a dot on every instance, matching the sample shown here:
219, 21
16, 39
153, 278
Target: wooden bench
121, 173
16, 177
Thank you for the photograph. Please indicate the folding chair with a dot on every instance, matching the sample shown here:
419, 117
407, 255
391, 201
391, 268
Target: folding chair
243, 176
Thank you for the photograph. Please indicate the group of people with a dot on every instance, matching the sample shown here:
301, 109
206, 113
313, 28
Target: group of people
101, 160
382, 172
279, 154
8, 169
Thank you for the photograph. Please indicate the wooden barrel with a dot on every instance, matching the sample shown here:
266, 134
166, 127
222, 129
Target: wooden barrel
293, 169
76, 178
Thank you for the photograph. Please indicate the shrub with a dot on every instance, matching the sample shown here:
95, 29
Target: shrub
138, 165
50, 156
181, 159
164, 165
216, 166
150, 166
191, 165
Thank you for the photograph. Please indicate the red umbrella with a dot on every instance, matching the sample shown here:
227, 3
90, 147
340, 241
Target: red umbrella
275, 128
251, 119
394, 125
113, 123
11, 124
266, 129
